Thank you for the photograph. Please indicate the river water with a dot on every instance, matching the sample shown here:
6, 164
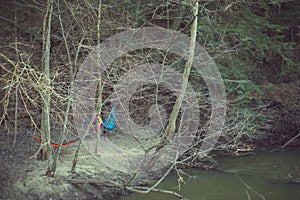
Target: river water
269, 176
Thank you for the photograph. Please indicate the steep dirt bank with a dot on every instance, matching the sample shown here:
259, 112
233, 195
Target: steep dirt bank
284, 104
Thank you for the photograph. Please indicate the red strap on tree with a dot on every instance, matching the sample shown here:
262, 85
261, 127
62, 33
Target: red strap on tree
56, 145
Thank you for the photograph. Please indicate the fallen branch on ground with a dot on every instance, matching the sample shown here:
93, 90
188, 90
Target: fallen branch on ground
137, 189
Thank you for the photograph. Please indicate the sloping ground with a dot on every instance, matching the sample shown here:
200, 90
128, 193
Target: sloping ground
284, 100
22, 176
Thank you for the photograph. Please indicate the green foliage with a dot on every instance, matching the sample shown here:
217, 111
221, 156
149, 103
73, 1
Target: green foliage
247, 43
239, 88
250, 46
247, 34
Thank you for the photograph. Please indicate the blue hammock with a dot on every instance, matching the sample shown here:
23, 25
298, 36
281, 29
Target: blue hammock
109, 123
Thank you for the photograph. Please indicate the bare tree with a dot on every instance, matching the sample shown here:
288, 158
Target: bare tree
170, 130
46, 151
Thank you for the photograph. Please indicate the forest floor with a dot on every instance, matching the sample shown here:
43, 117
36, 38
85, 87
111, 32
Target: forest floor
22, 176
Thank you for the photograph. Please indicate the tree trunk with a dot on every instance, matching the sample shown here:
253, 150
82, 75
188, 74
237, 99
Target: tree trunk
170, 130
100, 85
46, 149
53, 166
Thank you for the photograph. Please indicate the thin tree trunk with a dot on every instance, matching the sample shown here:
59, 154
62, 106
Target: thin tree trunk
170, 130
99, 100
69, 102
46, 144
17, 87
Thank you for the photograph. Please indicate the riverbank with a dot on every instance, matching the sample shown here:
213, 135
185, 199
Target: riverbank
23, 176
269, 176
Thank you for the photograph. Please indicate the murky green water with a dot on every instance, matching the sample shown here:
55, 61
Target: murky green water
261, 176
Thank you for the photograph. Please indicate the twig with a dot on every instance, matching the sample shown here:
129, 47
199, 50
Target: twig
249, 187
139, 189
290, 140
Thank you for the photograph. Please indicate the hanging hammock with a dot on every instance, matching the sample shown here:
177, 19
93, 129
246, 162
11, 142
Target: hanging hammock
109, 123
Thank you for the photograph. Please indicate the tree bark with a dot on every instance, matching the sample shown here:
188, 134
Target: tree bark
100, 85
170, 130
46, 150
